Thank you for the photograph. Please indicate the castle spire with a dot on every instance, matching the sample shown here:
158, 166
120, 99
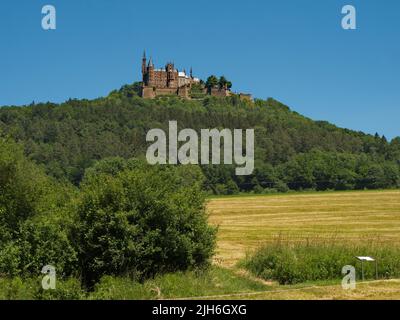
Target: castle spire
144, 64
191, 72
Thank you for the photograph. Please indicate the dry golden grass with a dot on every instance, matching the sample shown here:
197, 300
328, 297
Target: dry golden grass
247, 222
374, 290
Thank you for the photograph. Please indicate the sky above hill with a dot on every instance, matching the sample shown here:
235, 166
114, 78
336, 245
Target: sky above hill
293, 50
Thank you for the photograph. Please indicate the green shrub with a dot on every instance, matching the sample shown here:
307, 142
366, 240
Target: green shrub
281, 187
10, 261
44, 243
142, 221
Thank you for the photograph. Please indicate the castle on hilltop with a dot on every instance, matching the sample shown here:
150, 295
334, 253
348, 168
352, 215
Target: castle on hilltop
171, 81
167, 81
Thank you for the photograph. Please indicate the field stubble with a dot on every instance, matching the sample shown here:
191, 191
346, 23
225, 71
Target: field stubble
246, 223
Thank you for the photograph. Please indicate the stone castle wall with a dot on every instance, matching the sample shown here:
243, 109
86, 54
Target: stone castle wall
217, 92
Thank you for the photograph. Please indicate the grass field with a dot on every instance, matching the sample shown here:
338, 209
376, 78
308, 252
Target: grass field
246, 222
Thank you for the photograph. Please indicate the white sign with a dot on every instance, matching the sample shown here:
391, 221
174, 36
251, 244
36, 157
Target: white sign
365, 259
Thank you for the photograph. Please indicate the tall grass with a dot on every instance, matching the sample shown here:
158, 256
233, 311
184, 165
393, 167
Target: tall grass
313, 260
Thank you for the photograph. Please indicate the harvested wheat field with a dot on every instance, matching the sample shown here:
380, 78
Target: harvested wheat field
371, 290
245, 222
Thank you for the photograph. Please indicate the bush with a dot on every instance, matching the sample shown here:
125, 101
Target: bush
142, 221
44, 243
258, 189
281, 187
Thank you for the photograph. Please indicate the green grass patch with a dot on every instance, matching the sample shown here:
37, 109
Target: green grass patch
31, 289
215, 281
298, 262
210, 282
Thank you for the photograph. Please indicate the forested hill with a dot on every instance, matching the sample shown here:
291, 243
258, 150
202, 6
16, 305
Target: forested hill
291, 151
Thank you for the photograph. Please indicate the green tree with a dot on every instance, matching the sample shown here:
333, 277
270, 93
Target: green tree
23, 186
212, 81
223, 82
33, 219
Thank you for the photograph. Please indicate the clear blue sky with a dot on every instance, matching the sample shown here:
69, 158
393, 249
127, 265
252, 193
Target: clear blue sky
292, 50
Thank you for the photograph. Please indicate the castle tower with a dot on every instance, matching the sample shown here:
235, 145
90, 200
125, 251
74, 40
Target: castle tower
171, 77
150, 71
144, 60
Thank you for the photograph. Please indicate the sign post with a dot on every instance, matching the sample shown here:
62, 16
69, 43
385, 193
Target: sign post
367, 259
